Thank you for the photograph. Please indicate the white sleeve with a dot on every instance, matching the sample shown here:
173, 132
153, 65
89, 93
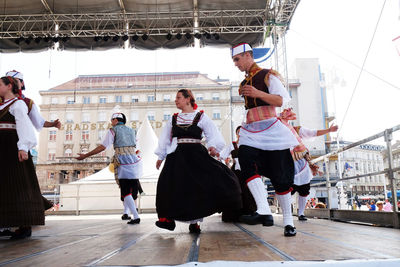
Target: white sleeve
213, 136
108, 139
305, 133
276, 88
164, 141
25, 132
36, 119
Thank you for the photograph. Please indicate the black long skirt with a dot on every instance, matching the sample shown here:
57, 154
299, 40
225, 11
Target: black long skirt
21, 202
194, 185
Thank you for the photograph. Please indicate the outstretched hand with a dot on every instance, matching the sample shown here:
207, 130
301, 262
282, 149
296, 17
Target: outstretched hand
57, 124
81, 156
158, 163
333, 128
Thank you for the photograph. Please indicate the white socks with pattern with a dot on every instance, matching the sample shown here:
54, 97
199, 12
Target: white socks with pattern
285, 202
128, 200
257, 189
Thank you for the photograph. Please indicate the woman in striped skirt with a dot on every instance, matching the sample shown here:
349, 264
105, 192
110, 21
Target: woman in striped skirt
21, 202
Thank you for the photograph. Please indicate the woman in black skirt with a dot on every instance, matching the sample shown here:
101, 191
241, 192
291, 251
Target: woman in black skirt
21, 203
192, 184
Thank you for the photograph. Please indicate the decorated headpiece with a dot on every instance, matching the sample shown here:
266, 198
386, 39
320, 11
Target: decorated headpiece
240, 48
16, 75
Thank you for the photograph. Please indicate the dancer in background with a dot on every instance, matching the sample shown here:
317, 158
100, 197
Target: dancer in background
304, 170
127, 165
192, 184
264, 144
21, 203
249, 205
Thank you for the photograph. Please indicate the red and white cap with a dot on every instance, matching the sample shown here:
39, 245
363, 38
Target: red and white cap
240, 48
117, 115
15, 74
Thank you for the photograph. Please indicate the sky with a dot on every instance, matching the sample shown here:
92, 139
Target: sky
337, 32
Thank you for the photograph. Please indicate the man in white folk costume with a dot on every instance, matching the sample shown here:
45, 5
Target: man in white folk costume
264, 144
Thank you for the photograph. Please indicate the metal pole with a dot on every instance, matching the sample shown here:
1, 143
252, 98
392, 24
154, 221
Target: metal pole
328, 183
388, 140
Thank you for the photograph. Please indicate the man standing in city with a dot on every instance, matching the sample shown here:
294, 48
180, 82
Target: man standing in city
264, 144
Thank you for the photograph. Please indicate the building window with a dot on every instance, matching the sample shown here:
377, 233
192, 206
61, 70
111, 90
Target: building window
102, 116
118, 99
216, 114
52, 135
70, 100
68, 152
85, 135
151, 116
357, 167
135, 99
134, 116
54, 100
151, 98
69, 117
103, 99
215, 96
51, 155
167, 98
50, 175
86, 100
167, 116
101, 134
68, 135
199, 97
85, 117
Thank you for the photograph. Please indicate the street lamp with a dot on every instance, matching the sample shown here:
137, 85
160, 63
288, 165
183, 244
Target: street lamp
55, 193
351, 195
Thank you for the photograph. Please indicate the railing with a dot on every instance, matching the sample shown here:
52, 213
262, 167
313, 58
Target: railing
337, 214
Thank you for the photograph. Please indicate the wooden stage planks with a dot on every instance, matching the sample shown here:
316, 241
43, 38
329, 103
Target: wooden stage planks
109, 241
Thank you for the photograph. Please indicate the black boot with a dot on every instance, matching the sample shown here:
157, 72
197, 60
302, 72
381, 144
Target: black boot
290, 231
134, 221
302, 218
125, 217
255, 218
169, 225
21, 233
194, 228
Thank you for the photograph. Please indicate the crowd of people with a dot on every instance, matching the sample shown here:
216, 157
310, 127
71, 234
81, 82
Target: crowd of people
194, 181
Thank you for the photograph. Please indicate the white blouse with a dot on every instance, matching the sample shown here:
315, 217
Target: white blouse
167, 144
25, 132
36, 119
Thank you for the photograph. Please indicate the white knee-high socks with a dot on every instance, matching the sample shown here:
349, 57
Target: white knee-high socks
126, 208
128, 201
285, 203
257, 189
302, 204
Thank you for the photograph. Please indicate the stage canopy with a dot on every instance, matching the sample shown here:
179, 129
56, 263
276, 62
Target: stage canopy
34, 25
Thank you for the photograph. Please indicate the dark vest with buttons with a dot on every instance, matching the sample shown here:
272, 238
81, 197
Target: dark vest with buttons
257, 81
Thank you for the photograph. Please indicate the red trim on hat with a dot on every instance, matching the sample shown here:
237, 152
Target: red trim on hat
240, 45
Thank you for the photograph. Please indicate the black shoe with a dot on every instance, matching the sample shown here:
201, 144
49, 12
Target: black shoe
194, 228
265, 220
6, 233
125, 217
134, 221
166, 225
21, 233
302, 218
290, 231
